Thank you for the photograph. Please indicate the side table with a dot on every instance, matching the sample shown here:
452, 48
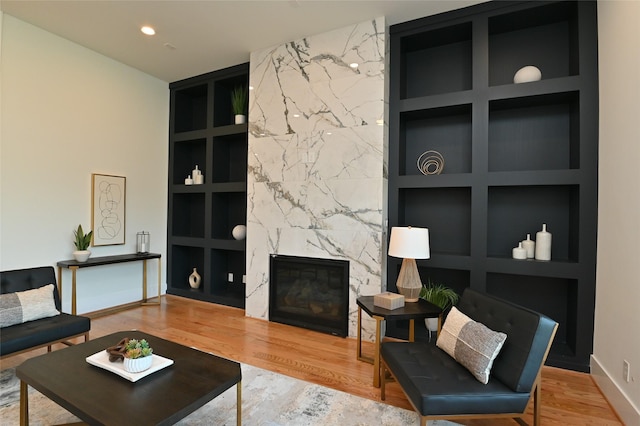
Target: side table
410, 311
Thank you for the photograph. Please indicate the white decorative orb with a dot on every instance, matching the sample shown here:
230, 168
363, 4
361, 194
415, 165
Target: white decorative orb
239, 232
527, 74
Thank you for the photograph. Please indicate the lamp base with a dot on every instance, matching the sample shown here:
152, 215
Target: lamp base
408, 283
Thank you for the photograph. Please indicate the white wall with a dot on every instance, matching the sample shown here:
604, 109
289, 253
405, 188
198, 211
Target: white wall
617, 317
68, 112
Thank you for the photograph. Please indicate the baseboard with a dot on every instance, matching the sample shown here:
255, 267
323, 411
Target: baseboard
623, 407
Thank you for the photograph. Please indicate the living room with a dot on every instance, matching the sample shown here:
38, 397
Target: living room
85, 113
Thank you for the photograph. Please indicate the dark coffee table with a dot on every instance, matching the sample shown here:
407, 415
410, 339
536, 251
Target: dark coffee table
98, 396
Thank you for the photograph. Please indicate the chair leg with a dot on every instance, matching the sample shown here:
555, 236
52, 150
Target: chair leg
537, 401
383, 375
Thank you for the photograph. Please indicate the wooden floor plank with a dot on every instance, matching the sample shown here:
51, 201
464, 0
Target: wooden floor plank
568, 397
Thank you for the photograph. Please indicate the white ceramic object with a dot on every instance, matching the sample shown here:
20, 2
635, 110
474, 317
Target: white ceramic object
81, 255
240, 119
527, 74
519, 252
543, 244
138, 365
530, 246
239, 232
431, 324
194, 279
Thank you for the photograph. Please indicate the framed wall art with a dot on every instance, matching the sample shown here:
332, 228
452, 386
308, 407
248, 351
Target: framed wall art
108, 209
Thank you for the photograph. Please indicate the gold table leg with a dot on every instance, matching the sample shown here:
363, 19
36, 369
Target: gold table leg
24, 404
73, 289
239, 403
359, 355
145, 301
376, 355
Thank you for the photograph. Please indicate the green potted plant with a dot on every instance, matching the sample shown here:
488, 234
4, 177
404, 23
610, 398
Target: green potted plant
81, 242
137, 355
239, 100
441, 296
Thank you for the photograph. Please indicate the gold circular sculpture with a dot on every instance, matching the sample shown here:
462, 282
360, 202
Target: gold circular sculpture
430, 163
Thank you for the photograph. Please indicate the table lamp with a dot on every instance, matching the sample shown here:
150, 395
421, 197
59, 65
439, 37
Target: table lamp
409, 243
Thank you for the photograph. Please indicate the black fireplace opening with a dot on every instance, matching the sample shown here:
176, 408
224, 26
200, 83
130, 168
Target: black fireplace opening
311, 293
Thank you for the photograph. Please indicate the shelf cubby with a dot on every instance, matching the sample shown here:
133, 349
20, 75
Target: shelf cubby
183, 260
186, 155
446, 130
230, 158
445, 211
534, 133
222, 113
190, 112
552, 296
228, 210
228, 269
437, 61
515, 211
545, 37
188, 220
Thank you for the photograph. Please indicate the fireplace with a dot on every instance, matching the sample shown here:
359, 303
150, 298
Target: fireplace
309, 292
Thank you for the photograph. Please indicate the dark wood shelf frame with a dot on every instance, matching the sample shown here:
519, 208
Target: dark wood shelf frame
201, 217
516, 155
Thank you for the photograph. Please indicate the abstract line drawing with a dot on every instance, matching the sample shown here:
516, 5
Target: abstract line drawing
108, 209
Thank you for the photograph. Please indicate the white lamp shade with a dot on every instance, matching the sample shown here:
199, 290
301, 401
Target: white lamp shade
409, 242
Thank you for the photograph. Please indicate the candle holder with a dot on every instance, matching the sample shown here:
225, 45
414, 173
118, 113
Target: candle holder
142, 242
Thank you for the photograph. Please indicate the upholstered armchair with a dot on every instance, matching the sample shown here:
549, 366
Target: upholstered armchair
483, 339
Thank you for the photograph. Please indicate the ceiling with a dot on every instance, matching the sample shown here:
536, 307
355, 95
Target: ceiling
195, 37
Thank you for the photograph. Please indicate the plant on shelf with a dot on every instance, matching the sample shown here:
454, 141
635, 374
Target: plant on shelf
441, 296
239, 101
81, 242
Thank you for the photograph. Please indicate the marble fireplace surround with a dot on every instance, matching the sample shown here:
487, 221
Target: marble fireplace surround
317, 167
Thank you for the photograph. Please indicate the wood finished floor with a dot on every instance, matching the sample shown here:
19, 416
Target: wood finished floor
568, 398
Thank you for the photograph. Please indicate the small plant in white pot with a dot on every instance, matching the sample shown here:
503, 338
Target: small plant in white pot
137, 356
441, 296
239, 100
81, 241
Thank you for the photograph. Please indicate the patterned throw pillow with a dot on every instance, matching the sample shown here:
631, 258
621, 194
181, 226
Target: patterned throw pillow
470, 343
28, 305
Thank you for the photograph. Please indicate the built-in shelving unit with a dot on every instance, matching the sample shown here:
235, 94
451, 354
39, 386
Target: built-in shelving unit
201, 217
516, 155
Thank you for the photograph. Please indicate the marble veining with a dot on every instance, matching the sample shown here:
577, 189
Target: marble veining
316, 164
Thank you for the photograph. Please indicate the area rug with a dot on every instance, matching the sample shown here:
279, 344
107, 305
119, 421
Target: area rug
268, 399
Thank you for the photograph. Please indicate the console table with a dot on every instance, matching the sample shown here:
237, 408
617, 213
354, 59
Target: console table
109, 260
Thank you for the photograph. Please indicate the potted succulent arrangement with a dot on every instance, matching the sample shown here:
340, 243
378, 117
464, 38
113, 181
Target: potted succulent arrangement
441, 296
136, 355
239, 104
81, 242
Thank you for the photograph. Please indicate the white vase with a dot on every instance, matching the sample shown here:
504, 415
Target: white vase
194, 279
241, 118
81, 255
543, 244
431, 324
138, 365
530, 246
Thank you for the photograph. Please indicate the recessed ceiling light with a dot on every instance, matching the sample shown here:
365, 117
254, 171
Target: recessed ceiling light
353, 65
148, 30
296, 115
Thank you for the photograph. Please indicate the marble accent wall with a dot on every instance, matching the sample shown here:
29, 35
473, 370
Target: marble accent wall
317, 172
